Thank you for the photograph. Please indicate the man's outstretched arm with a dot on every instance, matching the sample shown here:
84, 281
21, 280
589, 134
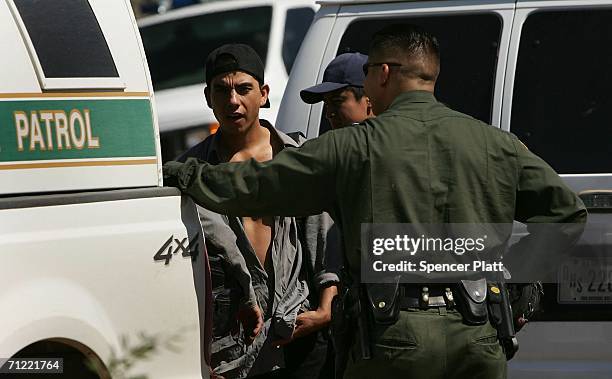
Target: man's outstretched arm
296, 182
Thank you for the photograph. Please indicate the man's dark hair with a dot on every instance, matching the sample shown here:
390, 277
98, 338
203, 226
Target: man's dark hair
412, 43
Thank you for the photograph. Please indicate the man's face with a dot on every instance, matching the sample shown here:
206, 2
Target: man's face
235, 99
342, 108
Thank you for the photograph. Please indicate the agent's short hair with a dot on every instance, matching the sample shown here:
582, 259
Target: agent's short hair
412, 43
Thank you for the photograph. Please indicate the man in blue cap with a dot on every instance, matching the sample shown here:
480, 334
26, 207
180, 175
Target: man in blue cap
342, 91
345, 104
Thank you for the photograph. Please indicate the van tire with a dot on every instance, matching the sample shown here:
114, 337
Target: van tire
80, 362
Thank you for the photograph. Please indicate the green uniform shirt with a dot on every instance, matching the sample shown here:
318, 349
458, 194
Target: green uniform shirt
418, 162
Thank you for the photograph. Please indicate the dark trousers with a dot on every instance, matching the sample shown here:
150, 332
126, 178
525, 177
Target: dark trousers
309, 357
432, 344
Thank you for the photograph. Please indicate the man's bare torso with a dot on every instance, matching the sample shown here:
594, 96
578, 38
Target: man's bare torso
259, 230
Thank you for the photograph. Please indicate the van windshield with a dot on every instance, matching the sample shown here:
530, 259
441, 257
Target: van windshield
176, 50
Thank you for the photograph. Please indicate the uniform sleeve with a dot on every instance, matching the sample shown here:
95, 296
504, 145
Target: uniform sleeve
297, 182
555, 218
542, 196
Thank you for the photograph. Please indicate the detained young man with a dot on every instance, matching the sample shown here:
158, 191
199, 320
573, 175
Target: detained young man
272, 292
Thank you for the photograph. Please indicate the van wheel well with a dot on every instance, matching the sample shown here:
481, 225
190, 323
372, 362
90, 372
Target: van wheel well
80, 362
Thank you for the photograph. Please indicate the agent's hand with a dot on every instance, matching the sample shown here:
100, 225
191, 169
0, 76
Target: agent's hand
251, 319
520, 322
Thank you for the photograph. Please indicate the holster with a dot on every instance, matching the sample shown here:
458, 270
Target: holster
494, 304
471, 301
500, 314
349, 321
341, 327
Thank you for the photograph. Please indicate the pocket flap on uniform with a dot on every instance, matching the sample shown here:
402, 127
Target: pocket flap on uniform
383, 301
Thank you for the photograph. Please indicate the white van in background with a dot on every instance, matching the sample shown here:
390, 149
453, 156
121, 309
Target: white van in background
178, 42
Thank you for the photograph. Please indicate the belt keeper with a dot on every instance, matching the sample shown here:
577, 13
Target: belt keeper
449, 297
425, 296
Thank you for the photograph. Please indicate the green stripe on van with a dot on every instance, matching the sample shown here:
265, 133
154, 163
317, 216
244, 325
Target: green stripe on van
69, 129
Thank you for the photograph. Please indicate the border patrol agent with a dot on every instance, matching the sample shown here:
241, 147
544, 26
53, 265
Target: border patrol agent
416, 162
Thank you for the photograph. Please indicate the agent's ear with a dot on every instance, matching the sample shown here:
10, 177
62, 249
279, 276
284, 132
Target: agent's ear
265, 91
385, 74
207, 96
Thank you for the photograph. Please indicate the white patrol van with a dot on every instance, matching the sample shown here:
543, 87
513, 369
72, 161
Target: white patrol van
100, 265
540, 69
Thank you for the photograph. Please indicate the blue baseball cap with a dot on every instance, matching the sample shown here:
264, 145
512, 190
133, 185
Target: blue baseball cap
345, 70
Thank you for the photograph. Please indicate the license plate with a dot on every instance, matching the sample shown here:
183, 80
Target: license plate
585, 281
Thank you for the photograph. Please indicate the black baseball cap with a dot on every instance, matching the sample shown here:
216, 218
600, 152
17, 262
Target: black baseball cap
235, 57
345, 70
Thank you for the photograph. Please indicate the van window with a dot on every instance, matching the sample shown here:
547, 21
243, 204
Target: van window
66, 39
296, 25
561, 106
176, 50
468, 49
